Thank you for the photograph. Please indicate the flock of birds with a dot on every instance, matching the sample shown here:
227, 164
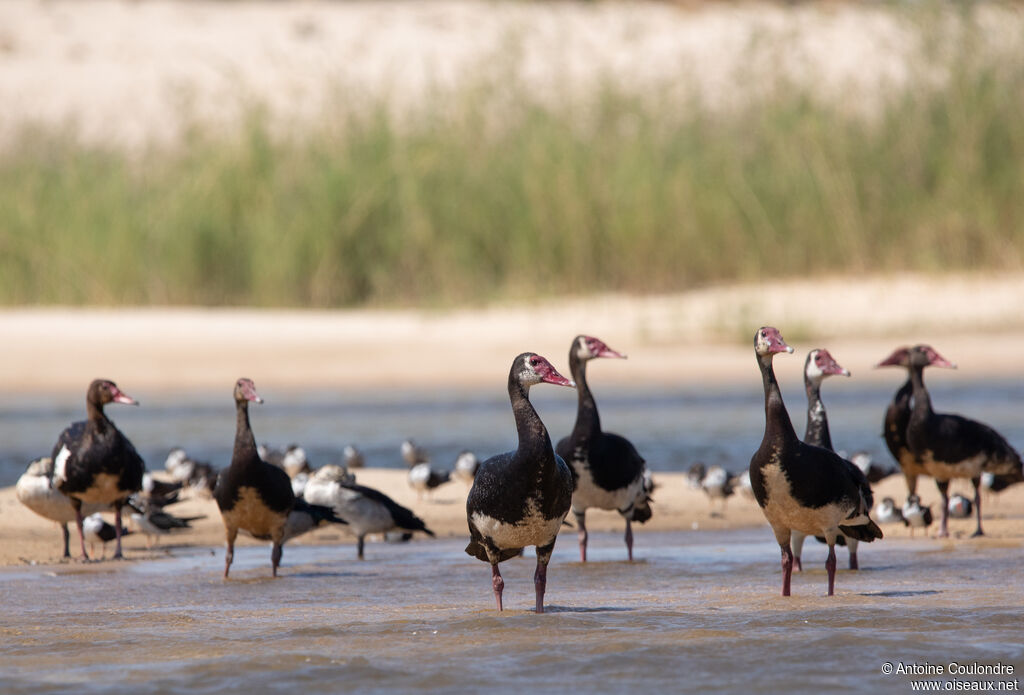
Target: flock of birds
522, 497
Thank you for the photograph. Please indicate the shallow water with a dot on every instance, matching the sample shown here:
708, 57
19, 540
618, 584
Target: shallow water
671, 428
699, 611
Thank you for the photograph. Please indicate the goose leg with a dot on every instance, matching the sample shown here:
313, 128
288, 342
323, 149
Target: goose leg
360, 542
797, 543
581, 522
67, 540
497, 583
540, 576
851, 545
944, 492
787, 567
784, 536
830, 567
911, 483
275, 558
977, 506
229, 556
117, 532
77, 504
629, 540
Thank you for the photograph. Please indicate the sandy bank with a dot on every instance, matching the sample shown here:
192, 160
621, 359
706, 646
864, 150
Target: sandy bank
27, 538
698, 337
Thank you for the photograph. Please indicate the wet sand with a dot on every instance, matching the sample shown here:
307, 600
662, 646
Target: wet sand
698, 612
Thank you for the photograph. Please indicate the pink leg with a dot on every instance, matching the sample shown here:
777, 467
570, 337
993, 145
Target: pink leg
853, 561
787, 568
498, 583
629, 540
797, 564
540, 581
830, 567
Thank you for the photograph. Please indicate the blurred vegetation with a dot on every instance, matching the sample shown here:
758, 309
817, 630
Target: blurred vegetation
470, 203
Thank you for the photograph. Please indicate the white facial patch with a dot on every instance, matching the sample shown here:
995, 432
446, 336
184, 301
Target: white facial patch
529, 375
60, 464
583, 350
813, 370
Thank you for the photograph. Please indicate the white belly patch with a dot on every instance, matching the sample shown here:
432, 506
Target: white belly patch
534, 529
588, 495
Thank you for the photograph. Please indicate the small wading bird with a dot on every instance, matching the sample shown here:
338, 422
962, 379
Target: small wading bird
607, 471
99, 531
799, 486
366, 510
521, 497
94, 463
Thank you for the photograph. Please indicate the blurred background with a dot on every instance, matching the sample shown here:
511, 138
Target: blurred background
424, 154
448, 183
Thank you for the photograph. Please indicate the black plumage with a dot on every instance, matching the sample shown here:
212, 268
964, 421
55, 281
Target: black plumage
521, 497
252, 495
819, 365
799, 486
897, 417
607, 470
94, 462
952, 446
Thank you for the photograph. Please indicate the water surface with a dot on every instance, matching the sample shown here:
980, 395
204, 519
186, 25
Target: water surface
671, 428
699, 612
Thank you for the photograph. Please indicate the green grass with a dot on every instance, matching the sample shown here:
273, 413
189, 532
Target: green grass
495, 196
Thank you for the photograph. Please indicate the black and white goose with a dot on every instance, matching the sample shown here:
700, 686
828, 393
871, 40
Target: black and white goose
366, 510
952, 446
607, 471
802, 487
819, 365
94, 462
253, 495
897, 417
521, 497
35, 490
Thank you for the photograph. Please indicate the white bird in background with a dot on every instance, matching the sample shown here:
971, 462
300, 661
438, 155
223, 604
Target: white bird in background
466, 465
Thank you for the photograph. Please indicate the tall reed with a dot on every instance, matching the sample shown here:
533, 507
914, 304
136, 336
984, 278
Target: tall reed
493, 194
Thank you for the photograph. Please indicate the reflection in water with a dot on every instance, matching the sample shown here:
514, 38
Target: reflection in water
699, 613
